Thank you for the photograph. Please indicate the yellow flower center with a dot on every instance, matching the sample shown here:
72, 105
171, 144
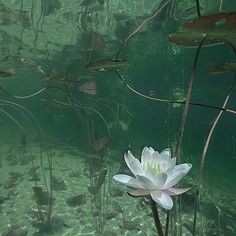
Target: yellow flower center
155, 168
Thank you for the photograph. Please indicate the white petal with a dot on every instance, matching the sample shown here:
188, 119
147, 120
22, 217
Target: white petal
177, 174
133, 164
175, 191
183, 167
145, 182
156, 157
166, 154
146, 155
157, 179
172, 162
150, 150
162, 199
127, 180
174, 180
170, 166
139, 192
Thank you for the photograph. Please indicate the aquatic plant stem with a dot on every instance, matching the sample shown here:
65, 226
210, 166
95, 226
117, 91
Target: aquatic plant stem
198, 9
49, 212
25, 133
76, 106
170, 101
187, 101
33, 94
156, 217
182, 129
221, 6
204, 157
158, 11
23, 97
167, 223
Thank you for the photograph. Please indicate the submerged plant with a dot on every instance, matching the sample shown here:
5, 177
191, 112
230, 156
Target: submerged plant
156, 175
41, 197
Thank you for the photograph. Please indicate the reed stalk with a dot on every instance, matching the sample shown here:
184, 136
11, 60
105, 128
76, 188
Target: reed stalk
203, 158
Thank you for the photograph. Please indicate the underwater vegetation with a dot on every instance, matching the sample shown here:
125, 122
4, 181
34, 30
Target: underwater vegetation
83, 83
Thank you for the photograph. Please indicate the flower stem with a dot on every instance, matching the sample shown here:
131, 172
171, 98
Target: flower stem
156, 217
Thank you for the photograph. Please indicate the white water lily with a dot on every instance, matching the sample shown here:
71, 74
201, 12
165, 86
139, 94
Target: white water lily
155, 175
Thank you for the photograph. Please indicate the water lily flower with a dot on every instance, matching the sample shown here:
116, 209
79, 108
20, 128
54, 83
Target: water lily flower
155, 175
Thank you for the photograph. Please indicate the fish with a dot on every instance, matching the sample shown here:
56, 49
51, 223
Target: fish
225, 68
54, 78
42, 197
89, 88
100, 143
107, 64
6, 74
99, 180
219, 20
193, 39
216, 29
66, 82
63, 82
76, 200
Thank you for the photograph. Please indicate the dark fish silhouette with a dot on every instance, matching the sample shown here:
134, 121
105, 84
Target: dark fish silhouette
225, 68
6, 74
107, 64
98, 182
217, 28
214, 21
42, 197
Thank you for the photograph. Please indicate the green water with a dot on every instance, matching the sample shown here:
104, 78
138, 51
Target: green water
65, 129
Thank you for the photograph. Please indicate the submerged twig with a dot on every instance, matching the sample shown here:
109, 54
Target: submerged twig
204, 157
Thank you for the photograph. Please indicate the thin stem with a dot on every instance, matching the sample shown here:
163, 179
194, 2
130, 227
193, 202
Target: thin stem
198, 8
76, 105
167, 223
187, 102
197, 194
221, 6
23, 97
158, 11
49, 155
171, 101
156, 217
